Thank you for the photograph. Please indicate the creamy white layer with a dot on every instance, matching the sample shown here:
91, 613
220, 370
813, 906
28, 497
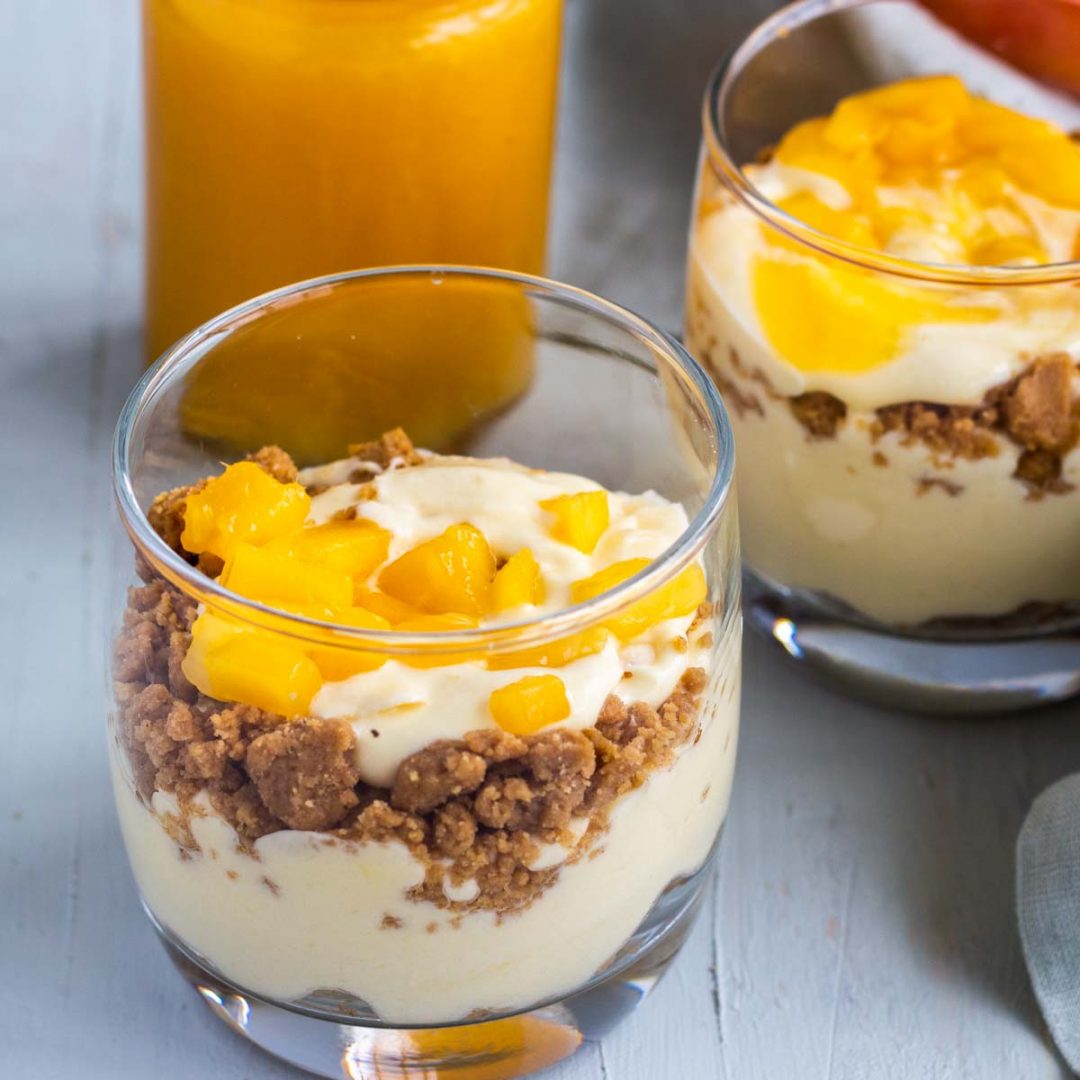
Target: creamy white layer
820, 514
953, 363
396, 709
307, 913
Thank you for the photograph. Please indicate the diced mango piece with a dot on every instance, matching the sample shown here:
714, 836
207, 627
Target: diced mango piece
1009, 251
531, 703
554, 654
230, 662
808, 208
342, 661
451, 573
926, 96
825, 318
355, 548
266, 576
244, 504
989, 126
436, 624
394, 611
580, 520
805, 147
518, 582
675, 599
1049, 169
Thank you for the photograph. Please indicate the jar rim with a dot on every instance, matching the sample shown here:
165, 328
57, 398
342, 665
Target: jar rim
720, 86
524, 633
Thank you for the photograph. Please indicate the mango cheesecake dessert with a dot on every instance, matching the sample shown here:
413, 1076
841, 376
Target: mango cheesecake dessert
424, 835
887, 299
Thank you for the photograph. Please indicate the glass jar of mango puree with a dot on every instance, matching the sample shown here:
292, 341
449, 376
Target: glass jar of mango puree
291, 138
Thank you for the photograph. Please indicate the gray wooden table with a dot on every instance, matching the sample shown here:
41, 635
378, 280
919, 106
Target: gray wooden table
863, 922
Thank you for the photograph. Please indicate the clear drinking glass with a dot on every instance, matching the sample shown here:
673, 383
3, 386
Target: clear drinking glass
907, 573
303, 940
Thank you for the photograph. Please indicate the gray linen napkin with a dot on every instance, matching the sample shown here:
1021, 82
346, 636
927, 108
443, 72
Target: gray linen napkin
1048, 909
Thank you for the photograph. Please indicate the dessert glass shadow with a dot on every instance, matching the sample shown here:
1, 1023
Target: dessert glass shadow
903, 404
376, 837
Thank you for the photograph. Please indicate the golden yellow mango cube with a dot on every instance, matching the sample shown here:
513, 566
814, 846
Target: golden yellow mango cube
580, 520
391, 609
343, 661
437, 624
531, 703
230, 662
1008, 251
244, 504
676, 599
451, 573
518, 582
356, 548
844, 225
989, 126
805, 146
1049, 168
930, 97
271, 578
554, 654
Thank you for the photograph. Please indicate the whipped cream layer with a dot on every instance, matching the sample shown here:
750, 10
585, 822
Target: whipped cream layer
305, 912
949, 362
398, 709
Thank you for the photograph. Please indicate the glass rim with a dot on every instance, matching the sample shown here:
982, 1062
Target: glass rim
720, 85
534, 630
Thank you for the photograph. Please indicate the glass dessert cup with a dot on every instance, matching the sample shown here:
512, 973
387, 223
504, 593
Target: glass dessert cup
318, 914
882, 550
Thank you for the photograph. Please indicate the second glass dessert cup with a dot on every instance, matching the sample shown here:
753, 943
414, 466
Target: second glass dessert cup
910, 520
319, 914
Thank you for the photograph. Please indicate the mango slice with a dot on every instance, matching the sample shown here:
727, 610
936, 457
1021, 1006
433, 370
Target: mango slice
676, 599
435, 624
580, 520
531, 703
394, 611
242, 505
518, 582
231, 662
263, 575
355, 548
451, 573
343, 661
556, 653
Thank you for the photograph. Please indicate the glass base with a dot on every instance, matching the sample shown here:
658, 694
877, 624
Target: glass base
497, 1048
922, 674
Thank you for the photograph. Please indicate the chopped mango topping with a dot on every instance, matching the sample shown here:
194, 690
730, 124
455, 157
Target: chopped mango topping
675, 599
231, 662
531, 703
435, 624
245, 504
263, 575
518, 582
924, 170
556, 653
344, 661
451, 573
355, 548
580, 520
394, 611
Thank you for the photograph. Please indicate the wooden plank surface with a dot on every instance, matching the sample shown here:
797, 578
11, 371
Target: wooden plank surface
863, 923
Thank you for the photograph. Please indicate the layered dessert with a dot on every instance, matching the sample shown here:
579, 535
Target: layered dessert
907, 438
430, 833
